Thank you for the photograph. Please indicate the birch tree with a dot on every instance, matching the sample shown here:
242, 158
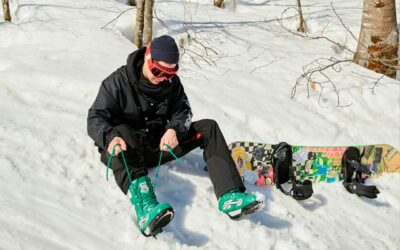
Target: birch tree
302, 25
378, 43
138, 35
6, 10
144, 22
218, 3
148, 21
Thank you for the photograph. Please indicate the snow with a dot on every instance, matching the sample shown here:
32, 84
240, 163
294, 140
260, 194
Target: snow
53, 191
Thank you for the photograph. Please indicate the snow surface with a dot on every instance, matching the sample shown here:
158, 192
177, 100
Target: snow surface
53, 191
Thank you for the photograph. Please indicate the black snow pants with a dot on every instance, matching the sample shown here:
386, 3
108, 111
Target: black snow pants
141, 155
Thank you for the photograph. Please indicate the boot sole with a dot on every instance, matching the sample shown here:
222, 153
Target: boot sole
159, 222
249, 209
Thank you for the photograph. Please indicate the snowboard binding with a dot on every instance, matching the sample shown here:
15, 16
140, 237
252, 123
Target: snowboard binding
353, 174
157, 225
283, 171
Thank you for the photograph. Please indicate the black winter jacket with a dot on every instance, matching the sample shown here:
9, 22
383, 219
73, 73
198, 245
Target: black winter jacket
159, 107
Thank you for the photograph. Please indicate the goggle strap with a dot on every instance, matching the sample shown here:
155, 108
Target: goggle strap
147, 57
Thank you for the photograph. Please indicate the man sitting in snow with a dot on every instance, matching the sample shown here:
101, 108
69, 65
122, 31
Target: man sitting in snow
142, 109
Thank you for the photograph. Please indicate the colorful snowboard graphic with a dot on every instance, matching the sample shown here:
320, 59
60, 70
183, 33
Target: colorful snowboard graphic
318, 164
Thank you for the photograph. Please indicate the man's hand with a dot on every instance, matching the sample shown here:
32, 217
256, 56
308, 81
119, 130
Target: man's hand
119, 141
170, 139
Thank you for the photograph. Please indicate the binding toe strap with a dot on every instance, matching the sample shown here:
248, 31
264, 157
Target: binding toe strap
362, 190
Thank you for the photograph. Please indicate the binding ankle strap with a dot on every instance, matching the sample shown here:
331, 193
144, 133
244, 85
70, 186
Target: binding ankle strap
353, 170
282, 163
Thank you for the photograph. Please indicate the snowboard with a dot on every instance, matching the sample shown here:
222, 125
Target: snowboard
316, 163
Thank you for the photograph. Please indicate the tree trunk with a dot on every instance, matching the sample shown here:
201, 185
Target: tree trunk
218, 3
6, 10
138, 36
378, 44
148, 21
302, 25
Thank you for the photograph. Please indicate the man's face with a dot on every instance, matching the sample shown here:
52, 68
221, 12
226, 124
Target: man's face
153, 79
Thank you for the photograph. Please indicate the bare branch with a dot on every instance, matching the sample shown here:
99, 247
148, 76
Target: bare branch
322, 64
316, 69
262, 66
310, 37
335, 90
376, 84
116, 18
190, 44
344, 25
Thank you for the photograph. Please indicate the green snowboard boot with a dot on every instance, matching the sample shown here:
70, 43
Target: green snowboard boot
151, 216
236, 203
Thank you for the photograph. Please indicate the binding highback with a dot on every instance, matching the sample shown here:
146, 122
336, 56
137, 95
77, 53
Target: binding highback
353, 172
282, 163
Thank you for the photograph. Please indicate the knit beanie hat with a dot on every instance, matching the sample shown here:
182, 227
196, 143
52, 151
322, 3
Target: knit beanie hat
164, 48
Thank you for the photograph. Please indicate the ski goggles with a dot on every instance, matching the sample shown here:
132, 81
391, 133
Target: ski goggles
157, 69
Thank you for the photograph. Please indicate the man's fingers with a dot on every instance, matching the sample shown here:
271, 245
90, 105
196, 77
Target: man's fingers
173, 143
122, 144
117, 144
162, 145
116, 149
109, 150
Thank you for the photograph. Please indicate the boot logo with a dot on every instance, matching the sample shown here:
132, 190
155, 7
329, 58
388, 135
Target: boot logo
229, 203
143, 220
144, 188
